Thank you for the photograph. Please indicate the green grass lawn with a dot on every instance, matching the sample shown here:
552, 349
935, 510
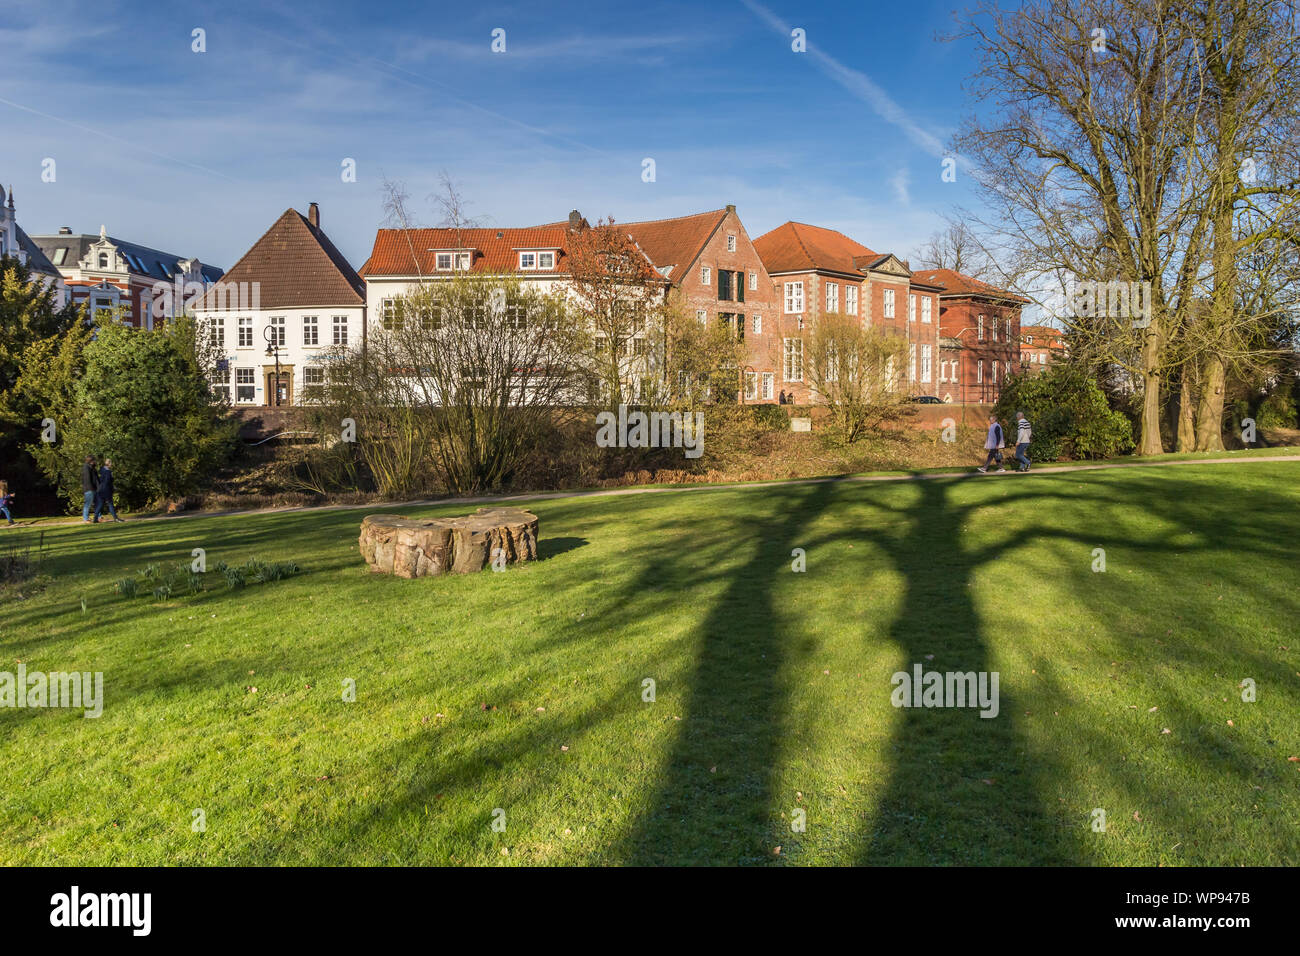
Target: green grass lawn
524, 690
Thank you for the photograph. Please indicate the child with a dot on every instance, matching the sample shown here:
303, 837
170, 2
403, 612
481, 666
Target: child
5, 499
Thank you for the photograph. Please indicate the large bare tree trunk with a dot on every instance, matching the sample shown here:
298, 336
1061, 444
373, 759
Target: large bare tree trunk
1149, 442
1209, 412
1186, 417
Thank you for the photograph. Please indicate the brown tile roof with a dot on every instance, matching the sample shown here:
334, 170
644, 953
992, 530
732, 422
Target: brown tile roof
955, 283
799, 247
675, 242
410, 252
295, 265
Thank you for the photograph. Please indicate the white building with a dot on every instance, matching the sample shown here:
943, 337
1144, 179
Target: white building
403, 259
288, 300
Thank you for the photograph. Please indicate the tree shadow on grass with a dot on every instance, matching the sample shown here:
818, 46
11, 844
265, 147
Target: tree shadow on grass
963, 788
714, 801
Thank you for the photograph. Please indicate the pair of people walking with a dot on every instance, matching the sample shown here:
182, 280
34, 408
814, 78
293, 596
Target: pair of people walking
97, 489
996, 441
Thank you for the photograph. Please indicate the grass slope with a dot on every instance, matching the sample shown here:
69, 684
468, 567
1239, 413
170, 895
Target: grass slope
772, 688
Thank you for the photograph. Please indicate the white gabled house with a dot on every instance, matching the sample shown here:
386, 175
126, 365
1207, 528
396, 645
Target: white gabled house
280, 308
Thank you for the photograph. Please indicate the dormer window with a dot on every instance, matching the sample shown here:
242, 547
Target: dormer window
544, 261
446, 261
103, 260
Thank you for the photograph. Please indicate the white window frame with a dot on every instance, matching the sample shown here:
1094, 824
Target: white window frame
706, 275
888, 301
310, 330
244, 330
277, 322
753, 282
769, 385
911, 362
979, 326
702, 315
927, 364
832, 297
339, 325
793, 298
545, 260
792, 359
851, 299
217, 331
751, 386
250, 382
756, 323
527, 260
731, 243
927, 311
979, 371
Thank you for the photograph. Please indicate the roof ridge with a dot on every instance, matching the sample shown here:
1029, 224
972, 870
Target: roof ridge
693, 215
249, 251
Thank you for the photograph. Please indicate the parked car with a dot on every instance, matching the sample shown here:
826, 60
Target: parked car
927, 400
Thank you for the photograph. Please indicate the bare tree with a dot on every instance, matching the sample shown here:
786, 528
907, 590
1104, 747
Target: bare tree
1115, 157
857, 371
957, 247
621, 300
1083, 162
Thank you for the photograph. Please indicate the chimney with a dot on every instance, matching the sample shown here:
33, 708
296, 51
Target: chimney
313, 215
65, 230
731, 208
575, 220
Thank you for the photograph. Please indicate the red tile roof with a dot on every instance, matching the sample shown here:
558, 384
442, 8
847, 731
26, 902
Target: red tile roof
799, 247
294, 265
675, 242
955, 283
409, 252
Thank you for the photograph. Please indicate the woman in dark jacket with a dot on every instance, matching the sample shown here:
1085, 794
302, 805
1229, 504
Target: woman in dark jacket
105, 493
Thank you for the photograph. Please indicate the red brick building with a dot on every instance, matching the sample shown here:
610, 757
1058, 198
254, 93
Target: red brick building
716, 273
980, 329
819, 271
106, 273
1040, 347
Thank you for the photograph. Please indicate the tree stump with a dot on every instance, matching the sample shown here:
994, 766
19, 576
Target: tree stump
411, 548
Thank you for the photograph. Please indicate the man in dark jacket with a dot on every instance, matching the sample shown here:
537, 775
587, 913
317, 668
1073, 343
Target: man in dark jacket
104, 495
89, 484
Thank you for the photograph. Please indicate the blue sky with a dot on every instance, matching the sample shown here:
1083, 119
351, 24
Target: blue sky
197, 153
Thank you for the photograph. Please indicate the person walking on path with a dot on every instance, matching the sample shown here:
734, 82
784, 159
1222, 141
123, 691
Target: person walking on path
992, 443
5, 500
104, 495
1024, 435
89, 485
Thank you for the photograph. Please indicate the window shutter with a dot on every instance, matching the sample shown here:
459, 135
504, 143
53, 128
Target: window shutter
740, 286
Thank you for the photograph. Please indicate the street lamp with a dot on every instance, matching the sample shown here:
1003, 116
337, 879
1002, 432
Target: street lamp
273, 350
